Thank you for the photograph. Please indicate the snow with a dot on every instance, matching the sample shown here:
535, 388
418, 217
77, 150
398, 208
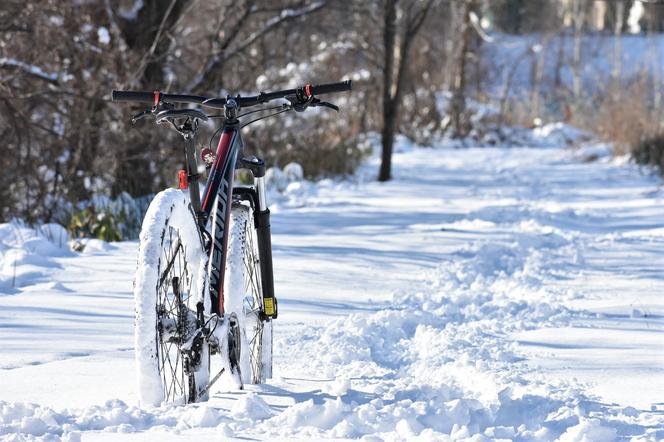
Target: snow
103, 36
31, 69
131, 13
26, 254
515, 57
483, 294
488, 131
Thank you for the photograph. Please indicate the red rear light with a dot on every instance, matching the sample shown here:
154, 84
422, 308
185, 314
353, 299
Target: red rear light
183, 182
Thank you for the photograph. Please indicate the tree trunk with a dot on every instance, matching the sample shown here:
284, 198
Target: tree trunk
538, 75
387, 136
157, 19
458, 105
393, 87
579, 20
616, 71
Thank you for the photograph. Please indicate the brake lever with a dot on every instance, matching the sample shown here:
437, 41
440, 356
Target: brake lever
140, 116
329, 105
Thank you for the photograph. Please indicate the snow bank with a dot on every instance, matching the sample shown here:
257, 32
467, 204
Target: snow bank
287, 186
31, 420
487, 128
26, 254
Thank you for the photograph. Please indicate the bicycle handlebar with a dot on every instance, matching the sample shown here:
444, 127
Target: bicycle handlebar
157, 96
149, 97
320, 89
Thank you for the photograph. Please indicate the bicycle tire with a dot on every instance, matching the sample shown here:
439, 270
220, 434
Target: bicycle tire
245, 299
169, 282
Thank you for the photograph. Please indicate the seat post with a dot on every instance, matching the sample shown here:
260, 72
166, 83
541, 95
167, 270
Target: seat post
192, 175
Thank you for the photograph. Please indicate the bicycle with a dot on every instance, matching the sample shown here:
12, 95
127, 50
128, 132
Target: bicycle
204, 279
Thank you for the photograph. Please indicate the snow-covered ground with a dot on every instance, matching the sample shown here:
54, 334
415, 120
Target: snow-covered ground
482, 294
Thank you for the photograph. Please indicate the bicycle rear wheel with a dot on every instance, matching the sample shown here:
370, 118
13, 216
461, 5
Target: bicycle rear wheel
173, 361
245, 296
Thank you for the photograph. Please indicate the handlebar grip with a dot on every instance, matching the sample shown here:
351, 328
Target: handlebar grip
342, 86
140, 97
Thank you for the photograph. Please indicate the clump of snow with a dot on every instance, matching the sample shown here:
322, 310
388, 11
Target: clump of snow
103, 36
26, 253
588, 430
560, 134
276, 179
589, 152
294, 172
279, 179
338, 387
287, 186
251, 406
131, 13
92, 245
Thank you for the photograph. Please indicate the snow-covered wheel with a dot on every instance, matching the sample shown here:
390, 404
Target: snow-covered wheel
245, 299
173, 365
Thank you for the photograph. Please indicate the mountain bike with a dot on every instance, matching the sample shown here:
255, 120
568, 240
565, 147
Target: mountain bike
204, 280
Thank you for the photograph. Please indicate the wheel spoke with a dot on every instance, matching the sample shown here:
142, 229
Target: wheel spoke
170, 353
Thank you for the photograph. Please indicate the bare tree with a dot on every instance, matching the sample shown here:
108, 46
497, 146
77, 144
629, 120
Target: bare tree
579, 19
460, 124
395, 70
230, 43
617, 47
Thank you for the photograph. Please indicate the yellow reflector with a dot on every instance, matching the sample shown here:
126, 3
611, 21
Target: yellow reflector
269, 306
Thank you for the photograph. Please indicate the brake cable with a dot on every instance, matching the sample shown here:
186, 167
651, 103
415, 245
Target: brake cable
216, 132
214, 135
260, 110
267, 116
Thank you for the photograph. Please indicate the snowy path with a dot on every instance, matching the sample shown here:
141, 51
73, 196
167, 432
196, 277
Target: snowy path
509, 293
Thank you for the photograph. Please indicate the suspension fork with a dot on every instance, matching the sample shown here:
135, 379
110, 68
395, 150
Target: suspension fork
262, 220
264, 236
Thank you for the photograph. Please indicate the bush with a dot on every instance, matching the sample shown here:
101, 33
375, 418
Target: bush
108, 219
623, 114
89, 223
650, 151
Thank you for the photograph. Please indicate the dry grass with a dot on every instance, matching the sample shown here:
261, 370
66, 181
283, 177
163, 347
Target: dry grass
625, 116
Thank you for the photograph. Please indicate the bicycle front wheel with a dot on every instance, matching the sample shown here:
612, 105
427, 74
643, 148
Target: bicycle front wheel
245, 296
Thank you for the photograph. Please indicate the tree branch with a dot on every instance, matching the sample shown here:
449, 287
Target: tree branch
147, 57
28, 69
115, 30
218, 59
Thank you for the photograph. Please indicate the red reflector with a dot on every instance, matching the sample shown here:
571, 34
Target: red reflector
183, 183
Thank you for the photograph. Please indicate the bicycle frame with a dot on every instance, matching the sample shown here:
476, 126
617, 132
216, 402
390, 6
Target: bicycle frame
214, 206
220, 184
